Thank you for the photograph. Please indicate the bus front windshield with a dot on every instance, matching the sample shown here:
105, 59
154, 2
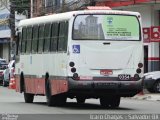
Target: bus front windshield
106, 27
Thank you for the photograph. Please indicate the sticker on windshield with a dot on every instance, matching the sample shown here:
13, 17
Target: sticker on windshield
76, 48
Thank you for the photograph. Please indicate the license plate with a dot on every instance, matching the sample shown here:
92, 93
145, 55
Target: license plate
124, 76
106, 72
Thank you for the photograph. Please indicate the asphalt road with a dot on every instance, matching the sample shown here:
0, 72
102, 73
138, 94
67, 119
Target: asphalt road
12, 103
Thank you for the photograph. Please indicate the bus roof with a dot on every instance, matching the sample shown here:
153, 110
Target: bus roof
69, 15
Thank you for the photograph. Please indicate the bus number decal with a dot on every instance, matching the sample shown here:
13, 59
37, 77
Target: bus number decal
76, 48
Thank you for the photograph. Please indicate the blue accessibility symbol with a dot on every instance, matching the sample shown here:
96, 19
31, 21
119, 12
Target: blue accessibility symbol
76, 48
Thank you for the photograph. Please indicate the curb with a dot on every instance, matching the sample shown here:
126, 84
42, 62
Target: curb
152, 97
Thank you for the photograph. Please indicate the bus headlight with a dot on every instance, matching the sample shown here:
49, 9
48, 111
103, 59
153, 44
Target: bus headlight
140, 65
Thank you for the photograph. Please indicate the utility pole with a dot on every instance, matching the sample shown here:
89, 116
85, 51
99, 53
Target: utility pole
63, 6
31, 13
12, 19
12, 27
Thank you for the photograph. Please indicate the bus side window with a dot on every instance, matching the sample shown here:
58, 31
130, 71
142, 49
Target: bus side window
29, 39
23, 42
47, 37
41, 39
63, 36
54, 37
18, 43
35, 39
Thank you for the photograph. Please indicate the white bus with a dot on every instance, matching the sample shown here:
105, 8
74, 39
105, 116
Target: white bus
80, 54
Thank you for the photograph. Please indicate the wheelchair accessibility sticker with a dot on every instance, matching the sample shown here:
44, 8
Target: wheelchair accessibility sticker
76, 48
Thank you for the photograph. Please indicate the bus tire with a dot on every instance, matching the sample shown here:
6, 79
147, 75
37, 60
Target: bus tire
28, 97
109, 101
80, 100
21, 83
59, 100
104, 102
49, 97
54, 100
115, 102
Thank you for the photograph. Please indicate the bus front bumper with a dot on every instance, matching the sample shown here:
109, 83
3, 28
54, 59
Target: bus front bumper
101, 88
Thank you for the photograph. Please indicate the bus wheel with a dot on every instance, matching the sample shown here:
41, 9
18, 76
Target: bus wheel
21, 83
80, 100
104, 102
28, 97
59, 100
115, 102
49, 97
109, 101
54, 100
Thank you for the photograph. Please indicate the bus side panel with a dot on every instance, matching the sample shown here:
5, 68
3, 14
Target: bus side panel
29, 86
35, 85
40, 85
17, 83
59, 86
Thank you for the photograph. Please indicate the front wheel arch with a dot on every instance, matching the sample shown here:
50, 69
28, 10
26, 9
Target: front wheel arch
21, 82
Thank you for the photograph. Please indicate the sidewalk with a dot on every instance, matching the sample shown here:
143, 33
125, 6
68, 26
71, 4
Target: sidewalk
147, 96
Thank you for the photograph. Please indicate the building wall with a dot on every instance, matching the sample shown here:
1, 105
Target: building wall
6, 50
4, 29
40, 7
150, 17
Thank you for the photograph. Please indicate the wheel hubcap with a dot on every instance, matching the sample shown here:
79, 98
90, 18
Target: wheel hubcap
158, 87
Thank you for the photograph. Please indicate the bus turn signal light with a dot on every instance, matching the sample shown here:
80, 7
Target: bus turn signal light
73, 70
71, 64
140, 65
138, 70
75, 76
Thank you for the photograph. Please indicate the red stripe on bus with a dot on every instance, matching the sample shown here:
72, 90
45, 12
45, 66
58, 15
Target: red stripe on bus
37, 86
153, 59
17, 83
29, 85
59, 86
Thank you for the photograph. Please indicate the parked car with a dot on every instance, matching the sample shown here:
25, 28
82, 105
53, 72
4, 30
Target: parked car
152, 81
8, 72
3, 66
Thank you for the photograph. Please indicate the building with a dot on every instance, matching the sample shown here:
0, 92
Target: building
45, 7
6, 50
5, 31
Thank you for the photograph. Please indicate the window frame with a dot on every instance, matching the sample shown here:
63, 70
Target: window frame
47, 37
35, 38
63, 36
41, 39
